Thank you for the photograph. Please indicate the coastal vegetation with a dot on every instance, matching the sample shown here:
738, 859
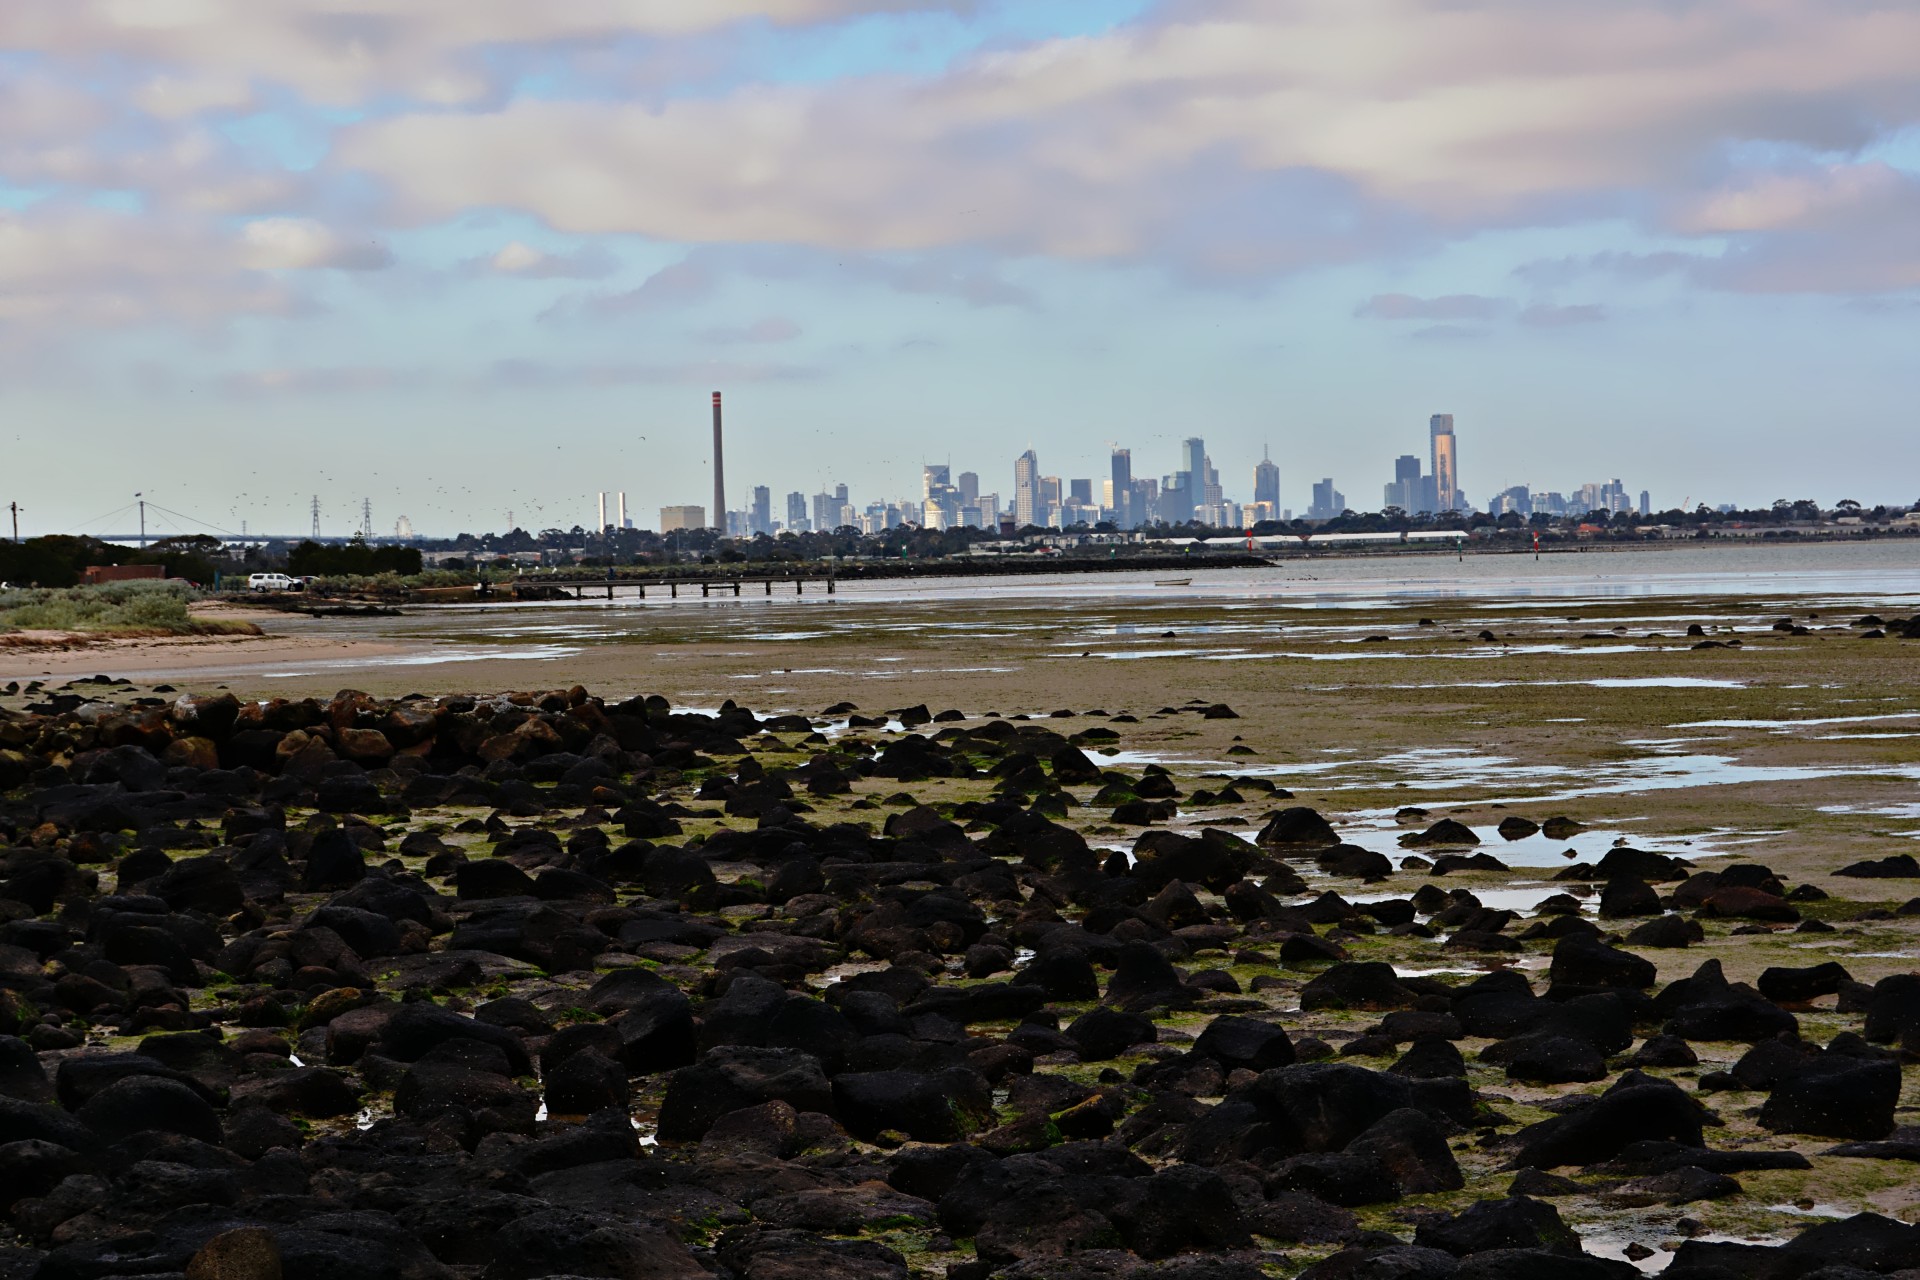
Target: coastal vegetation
115, 609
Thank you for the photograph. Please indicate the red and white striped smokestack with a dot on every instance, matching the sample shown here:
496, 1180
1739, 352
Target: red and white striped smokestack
719, 472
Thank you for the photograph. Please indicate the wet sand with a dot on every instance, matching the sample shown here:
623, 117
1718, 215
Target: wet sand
1590, 699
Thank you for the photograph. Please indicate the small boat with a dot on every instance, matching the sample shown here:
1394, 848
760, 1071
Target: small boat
1174, 582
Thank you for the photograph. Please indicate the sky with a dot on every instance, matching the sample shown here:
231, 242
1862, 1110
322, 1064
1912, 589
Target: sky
460, 258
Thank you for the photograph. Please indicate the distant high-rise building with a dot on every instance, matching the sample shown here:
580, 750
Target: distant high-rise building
797, 513
1026, 489
1124, 513
939, 500
1193, 456
829, 508
1646, 503
1610, 497
1446, 471
1518, 500
1181, 492
686, 517
1210, 490
1328, 501
762, 509
969, 486
1080, 492
1407, 491
1266, 482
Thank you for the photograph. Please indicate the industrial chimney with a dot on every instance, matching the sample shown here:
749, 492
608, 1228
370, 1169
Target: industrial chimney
719, 472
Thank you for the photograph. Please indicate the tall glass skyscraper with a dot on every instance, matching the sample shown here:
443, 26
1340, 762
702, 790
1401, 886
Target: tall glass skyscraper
1446, 473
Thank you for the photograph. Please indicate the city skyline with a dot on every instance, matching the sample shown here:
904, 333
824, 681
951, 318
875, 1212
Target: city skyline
1045, 501
1127, 502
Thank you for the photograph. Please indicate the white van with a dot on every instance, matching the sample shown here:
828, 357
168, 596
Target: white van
270, 582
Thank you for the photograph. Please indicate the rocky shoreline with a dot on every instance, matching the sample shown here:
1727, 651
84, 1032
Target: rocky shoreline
537, 984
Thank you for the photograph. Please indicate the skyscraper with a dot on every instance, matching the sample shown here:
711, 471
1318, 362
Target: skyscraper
969, 486
762, 509
934, 476
1193, 456
1123, 513
1026, 488
1328, 501
1407, 492
797, 513
1266, 482
1446, 473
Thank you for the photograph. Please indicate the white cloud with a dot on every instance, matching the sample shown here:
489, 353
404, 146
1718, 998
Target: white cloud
344, 52
64, 271
1236, 134
301, 244
528, 263
1793, 199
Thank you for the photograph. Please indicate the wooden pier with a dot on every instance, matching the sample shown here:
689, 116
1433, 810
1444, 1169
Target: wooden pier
581, 589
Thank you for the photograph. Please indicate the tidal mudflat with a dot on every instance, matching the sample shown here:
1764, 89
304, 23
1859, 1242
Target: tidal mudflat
1463, 923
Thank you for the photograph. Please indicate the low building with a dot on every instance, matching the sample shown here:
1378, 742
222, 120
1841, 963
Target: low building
95, 574
673, 518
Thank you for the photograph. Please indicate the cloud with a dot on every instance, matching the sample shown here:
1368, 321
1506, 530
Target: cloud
301, 244
1454, 306
772, 329
1791, 200
1219, 140
1845, 229
1299, 132
65, 270
1834, 228
1546, 316
1556, 273
700, 276
684, 283
525, 262
347, 52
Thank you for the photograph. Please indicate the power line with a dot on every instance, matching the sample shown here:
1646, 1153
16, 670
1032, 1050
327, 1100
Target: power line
100, 520
196, 520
